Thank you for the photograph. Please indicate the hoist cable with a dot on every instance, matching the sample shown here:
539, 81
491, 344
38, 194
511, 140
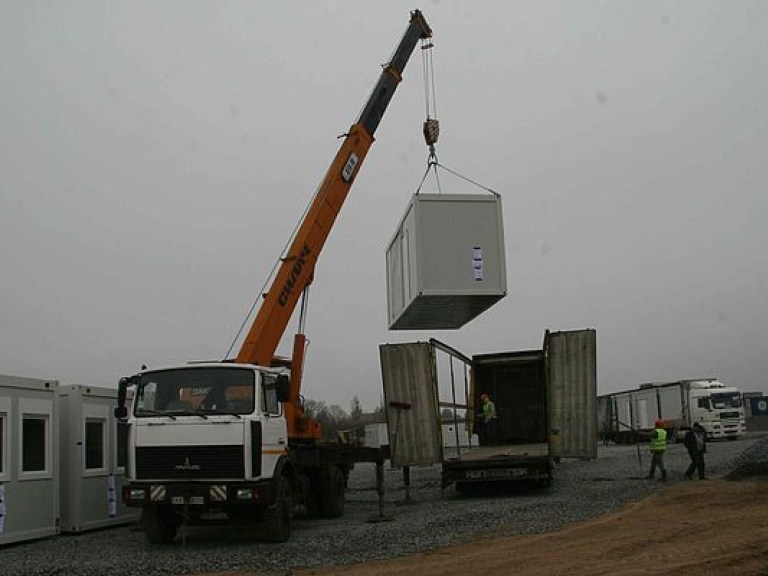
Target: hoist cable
433, 163
467, 179
270, 275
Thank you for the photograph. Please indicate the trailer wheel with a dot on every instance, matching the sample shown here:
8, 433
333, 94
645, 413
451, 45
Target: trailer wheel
159, 524
332, 492
279, 517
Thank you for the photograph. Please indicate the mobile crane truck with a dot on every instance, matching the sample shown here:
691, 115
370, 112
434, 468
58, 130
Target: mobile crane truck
232, 437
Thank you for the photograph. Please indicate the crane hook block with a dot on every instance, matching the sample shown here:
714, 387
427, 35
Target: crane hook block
431, 131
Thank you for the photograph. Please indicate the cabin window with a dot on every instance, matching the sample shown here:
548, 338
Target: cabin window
3, 435
94, 444
34, 431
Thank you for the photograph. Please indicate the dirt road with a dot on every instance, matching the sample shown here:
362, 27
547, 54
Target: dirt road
715, 527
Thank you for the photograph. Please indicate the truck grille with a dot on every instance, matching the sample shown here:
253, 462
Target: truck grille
189, 462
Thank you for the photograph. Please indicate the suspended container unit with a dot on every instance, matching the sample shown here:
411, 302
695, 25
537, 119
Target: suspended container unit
29, 459
92, 451
445, 262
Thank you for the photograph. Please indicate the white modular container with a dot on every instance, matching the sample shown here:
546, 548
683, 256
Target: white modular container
455, 435
445, 263
376, 435
29, 459
93, 462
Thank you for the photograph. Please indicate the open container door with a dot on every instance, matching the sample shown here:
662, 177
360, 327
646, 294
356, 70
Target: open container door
571, 366
409, 375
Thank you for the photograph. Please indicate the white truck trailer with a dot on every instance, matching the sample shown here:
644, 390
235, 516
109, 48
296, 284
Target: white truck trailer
629, 415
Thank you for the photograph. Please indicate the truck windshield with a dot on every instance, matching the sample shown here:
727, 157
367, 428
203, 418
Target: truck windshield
728, 400
197, 391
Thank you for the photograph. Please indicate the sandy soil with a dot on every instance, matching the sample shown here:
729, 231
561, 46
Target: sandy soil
714, 527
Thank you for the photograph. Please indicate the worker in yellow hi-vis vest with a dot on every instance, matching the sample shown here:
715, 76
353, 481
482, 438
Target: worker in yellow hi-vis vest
658, 447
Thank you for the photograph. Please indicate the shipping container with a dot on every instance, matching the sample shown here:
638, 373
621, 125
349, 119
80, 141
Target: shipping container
29, 459
545, 404
445, 263
92, 451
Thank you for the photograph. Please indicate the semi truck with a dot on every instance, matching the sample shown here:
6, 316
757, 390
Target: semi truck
630, 415
231, 437
545, 402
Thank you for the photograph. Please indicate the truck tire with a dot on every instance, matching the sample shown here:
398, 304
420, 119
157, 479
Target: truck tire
159, 524
332, 492
278, 518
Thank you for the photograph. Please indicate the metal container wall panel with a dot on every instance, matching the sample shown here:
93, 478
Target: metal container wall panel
90, 491
571, 359
446, 262
29, 479
409, 377
646, 408
190, 462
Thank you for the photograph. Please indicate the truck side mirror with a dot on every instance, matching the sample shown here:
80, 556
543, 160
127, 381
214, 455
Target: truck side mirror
121, 412
283, 388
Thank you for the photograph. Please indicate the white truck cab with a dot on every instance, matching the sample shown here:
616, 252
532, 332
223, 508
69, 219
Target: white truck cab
207, 435
718, 408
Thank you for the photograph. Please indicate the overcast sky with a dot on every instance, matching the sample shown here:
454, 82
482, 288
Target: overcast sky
155, 157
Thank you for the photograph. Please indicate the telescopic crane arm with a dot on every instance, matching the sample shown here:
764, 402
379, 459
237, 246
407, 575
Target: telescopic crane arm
297, 269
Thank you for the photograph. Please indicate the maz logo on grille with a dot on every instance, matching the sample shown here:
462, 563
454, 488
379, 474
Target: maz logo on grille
187, 466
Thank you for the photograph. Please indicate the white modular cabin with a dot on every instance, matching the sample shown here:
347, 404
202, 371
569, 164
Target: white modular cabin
93, 459
29, 459
445, 262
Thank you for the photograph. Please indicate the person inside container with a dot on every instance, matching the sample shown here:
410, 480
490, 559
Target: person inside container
488, 421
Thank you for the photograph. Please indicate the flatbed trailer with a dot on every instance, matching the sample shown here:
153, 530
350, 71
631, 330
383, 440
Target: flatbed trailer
484, 464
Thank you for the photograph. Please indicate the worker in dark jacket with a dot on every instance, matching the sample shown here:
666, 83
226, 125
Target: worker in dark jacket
696, 442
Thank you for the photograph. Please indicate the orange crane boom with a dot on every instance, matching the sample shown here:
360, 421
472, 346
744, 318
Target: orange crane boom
297, 268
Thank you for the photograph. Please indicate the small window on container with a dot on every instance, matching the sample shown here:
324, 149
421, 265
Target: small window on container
2, 443
94, 444
33, 442
122, 444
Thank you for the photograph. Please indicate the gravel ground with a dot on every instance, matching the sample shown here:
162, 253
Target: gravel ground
582, 490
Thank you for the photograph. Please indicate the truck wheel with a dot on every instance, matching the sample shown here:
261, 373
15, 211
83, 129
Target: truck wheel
159, 524
278, 517
332, 492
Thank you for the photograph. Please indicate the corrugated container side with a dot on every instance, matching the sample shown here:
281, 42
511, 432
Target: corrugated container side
571, 359
409, 377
